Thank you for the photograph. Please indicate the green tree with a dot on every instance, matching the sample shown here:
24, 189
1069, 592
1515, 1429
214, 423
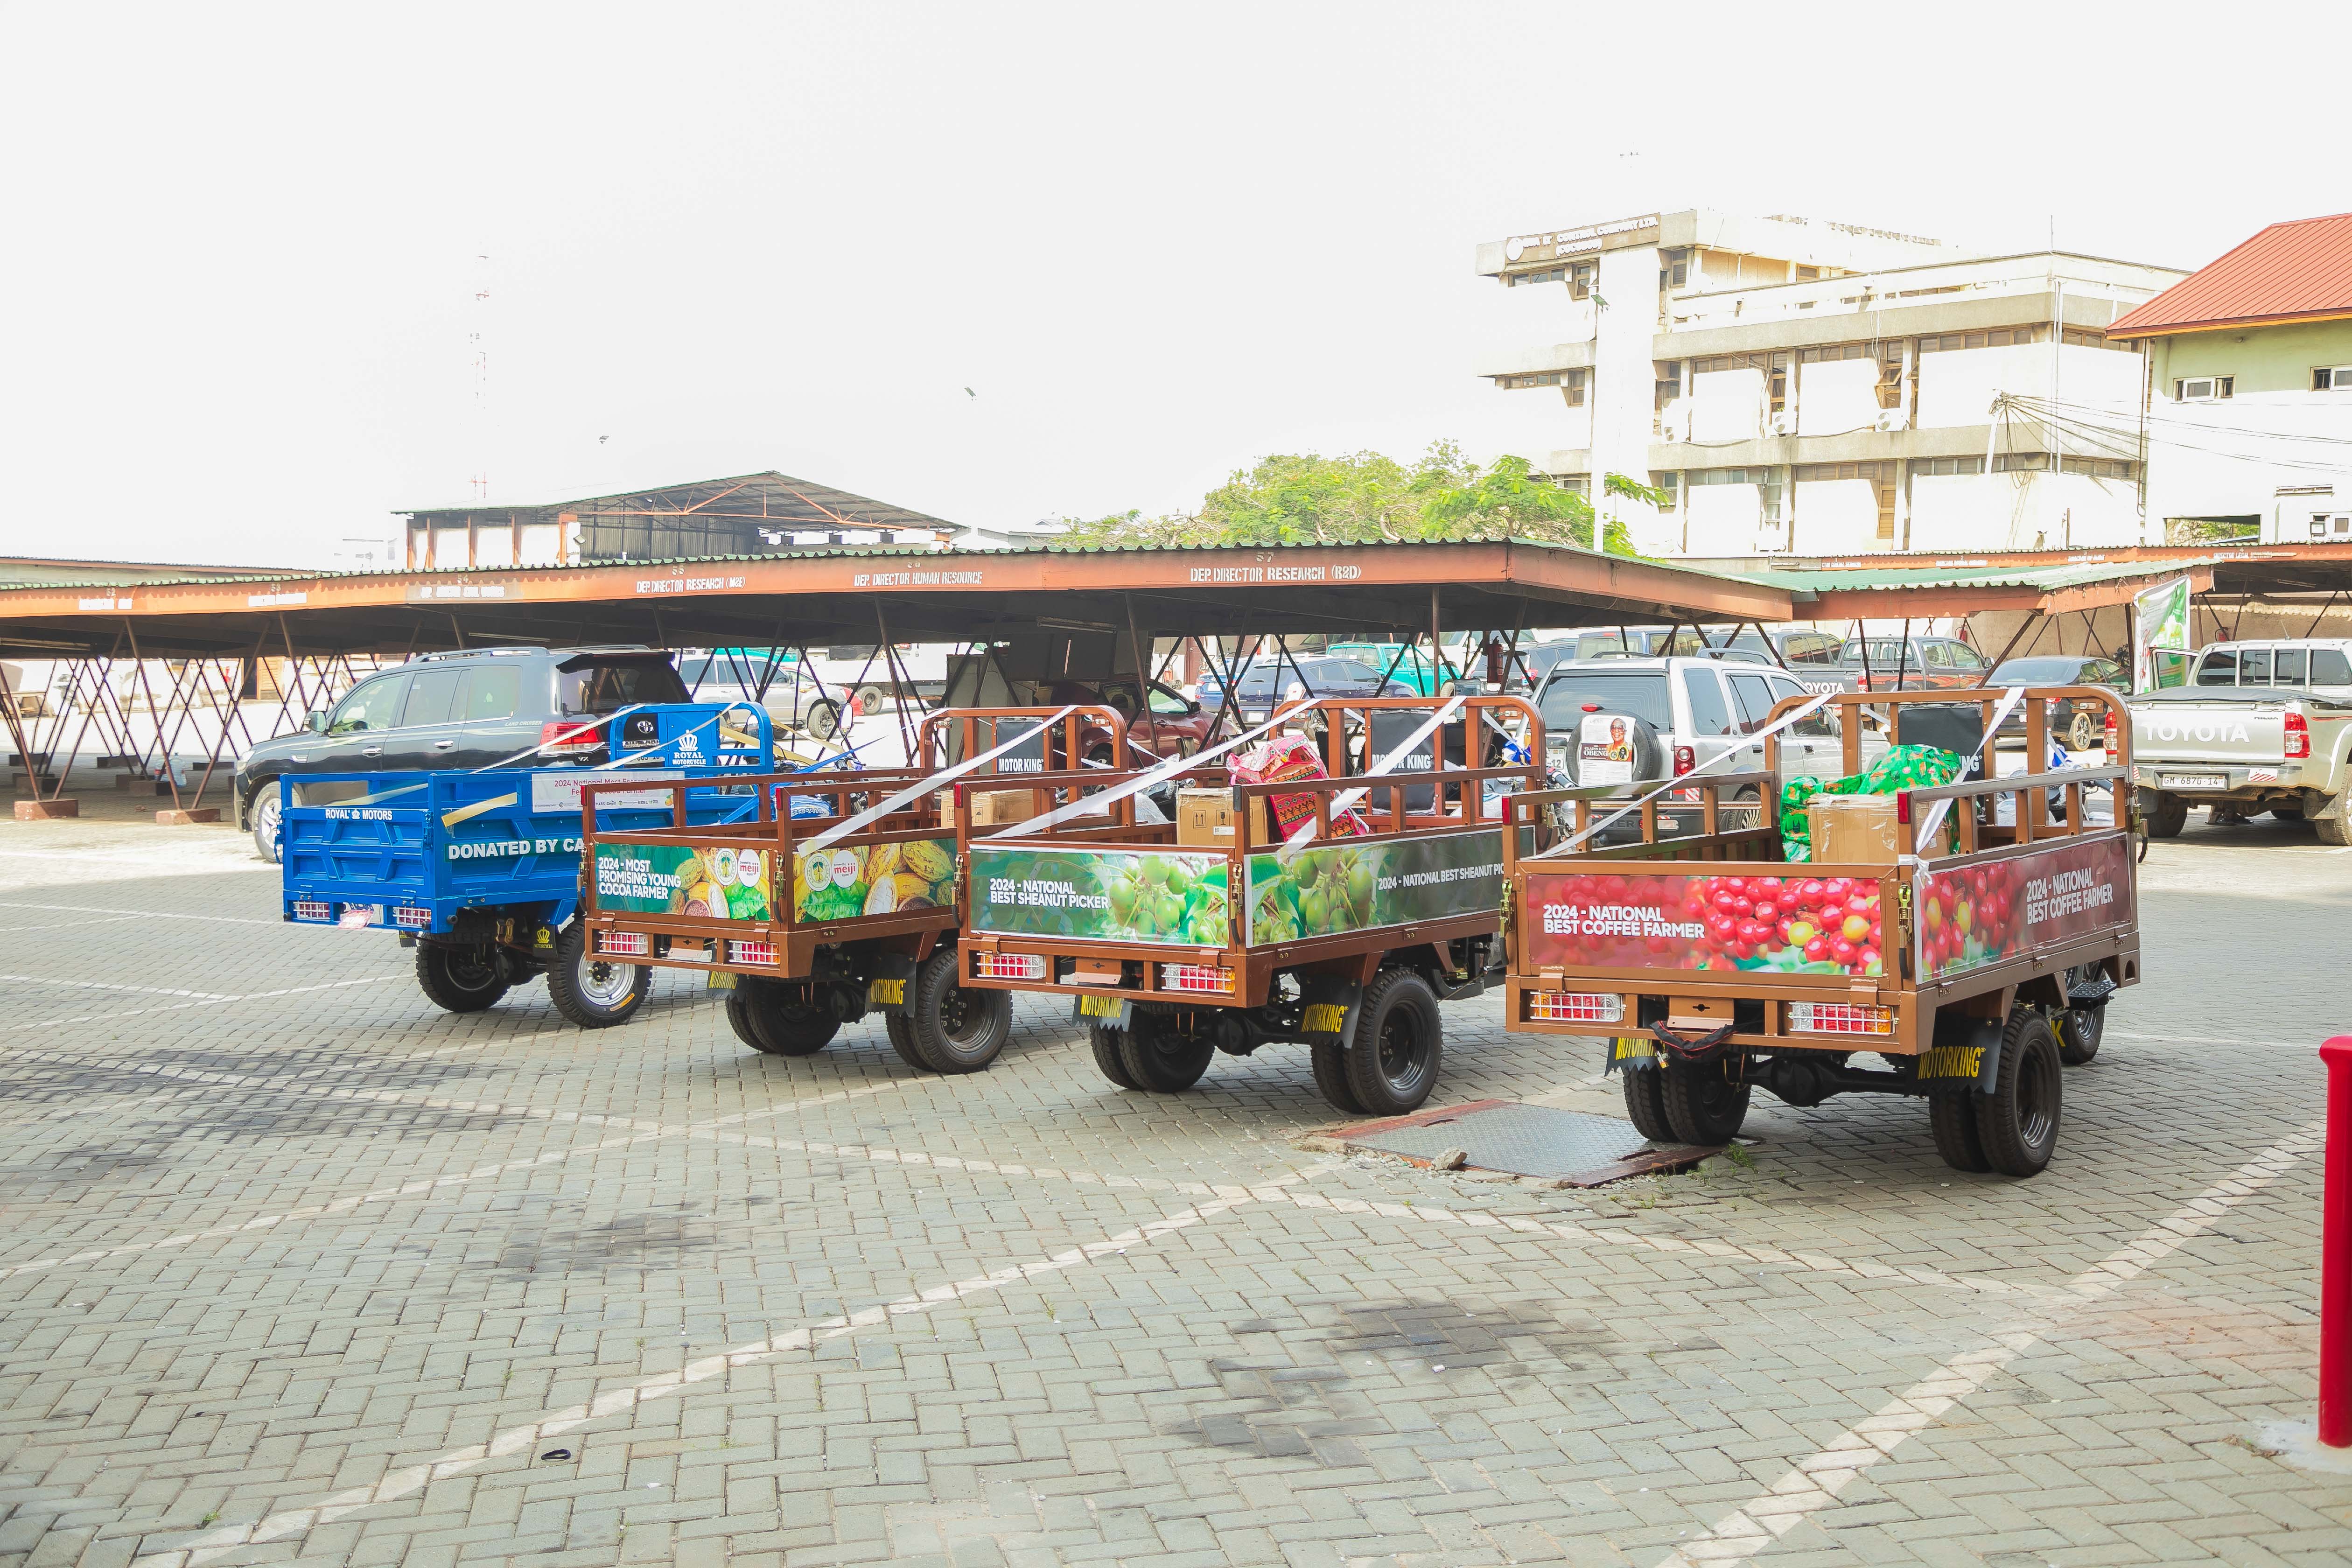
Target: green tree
1365, 497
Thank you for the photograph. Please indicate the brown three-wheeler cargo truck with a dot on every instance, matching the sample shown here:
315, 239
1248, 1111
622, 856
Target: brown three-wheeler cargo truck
812, 921
1974, 958
1344, 939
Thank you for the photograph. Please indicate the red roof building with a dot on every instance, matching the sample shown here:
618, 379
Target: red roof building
2290, 272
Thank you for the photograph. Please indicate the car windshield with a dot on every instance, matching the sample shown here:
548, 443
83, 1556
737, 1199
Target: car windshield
1639, 694
608, 688
2040, 673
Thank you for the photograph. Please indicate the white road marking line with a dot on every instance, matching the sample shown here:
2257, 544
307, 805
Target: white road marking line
1813, 1482
210, 1002
117, 985
68, 925
521, 1439
162, 915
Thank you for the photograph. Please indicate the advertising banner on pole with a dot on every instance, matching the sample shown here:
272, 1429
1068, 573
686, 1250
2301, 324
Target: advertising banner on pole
2159, 626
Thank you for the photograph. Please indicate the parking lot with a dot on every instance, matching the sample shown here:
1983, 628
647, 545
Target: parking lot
300, 1267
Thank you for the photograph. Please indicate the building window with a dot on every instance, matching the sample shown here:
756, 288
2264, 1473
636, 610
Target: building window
1996, 338
1569, 378
1579, 281
2020, 462
1775, 367
1674, 269
1947, 466
2077, 338
2099, 467
1575, 484
2332, 378
1671, 482
1523, 279
1816, 473
1805, 274
2204, 388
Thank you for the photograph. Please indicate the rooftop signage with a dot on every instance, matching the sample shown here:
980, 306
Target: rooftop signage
1528, 249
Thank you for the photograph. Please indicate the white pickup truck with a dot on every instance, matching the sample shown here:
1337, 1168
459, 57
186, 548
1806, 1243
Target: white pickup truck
2261, 726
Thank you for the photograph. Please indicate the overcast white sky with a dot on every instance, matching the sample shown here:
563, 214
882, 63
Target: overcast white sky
244, 245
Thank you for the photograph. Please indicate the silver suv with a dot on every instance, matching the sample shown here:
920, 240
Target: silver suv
1699, 709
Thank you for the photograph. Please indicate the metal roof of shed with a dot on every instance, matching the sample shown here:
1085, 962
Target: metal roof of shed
2296, 272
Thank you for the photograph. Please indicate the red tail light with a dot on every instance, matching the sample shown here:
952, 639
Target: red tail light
1902, 805
563, 738
2110, 742
1685, 758
2298, 735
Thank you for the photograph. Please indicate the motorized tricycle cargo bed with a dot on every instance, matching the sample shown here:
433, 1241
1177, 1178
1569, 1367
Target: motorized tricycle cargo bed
1974, 958
1183, 951
830, 899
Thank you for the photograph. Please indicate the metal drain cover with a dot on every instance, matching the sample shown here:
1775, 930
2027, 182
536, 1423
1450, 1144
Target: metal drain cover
1571, 1146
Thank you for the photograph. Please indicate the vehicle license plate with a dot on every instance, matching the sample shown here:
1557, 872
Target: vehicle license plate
2196, 781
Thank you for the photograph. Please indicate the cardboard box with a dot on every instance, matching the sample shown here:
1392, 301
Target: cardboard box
997, 807
1853, 829
1205, 820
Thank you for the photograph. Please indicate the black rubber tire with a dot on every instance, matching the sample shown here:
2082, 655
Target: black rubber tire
2336, 830
901, 1030
956, 1028
823, 719
2018, 1122
871, 699
783, 1024
1703, 1105
1104, 1043
1398, 1047
1331, 1060
738, 1015
263, 812
2166, 814
1953, 1120
458, 979
1645, 1103
2080, 1027
581, 986
1160, 1060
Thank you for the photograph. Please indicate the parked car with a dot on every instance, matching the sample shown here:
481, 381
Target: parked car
1698, 709
2262, 726
2083, 722
1404, 664
1796, 647
1926, 662
1268, 681
473, 709
793, 699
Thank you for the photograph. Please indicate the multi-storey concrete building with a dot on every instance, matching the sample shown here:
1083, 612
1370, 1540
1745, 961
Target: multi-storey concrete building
1817, 388
2249, 410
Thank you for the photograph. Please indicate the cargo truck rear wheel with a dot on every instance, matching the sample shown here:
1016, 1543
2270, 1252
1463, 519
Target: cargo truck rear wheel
738, 1016
784, 1022
1104, 1043
1158, 1059
1331, 1060
1646, 1102
2018, 1122
590, 989
1953, 1120
461, 979
1703, 1105
901, 1030
1393, 1060
958, 1028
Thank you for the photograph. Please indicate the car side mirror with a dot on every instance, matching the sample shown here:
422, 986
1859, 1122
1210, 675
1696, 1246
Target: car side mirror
317, 722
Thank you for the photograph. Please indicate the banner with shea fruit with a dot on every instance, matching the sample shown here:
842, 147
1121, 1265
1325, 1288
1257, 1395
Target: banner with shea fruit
1328, 889
1794, 925
1173, 897
844, 880
707, 882
1973, 916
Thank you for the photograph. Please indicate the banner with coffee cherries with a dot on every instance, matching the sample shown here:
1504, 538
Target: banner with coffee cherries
1974, 916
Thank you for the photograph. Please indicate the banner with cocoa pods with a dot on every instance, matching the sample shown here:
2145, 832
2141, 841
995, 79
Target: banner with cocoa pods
1974, 916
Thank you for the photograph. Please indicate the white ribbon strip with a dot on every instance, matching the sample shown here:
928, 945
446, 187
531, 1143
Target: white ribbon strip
1094, 804
1346, 798
917, 790
1681, 780
2016, 694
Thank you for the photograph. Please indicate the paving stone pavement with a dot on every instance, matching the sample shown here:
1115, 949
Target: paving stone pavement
298, 1268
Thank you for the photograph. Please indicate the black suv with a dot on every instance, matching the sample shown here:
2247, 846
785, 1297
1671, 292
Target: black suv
472, 709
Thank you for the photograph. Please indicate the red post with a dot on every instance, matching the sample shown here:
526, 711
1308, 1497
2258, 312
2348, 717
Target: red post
2336, 1253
